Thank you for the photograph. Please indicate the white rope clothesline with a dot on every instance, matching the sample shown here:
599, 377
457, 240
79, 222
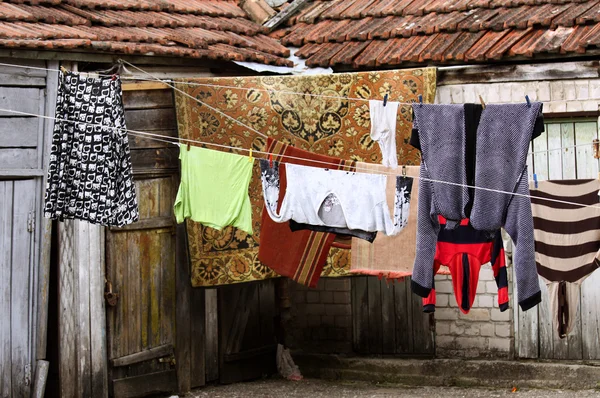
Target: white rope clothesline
168, 83
164, 138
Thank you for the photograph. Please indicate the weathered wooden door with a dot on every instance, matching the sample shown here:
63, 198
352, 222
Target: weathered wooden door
17, 298
140, 262
535, 333
247, 343
388, 319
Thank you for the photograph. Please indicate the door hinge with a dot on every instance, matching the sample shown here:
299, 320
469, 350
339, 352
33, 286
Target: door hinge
27, 375
31, 221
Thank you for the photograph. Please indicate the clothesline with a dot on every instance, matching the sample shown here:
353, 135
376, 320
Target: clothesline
204, 84
167, 82
173, 140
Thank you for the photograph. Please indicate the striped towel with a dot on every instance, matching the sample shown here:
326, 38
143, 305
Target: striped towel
567, 240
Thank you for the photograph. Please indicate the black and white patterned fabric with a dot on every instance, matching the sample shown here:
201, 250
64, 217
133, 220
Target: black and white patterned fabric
89, 173
502, 140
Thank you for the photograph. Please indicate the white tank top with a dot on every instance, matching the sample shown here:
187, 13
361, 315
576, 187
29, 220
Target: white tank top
335, 198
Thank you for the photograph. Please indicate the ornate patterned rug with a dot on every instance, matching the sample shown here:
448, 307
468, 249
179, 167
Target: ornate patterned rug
318, 121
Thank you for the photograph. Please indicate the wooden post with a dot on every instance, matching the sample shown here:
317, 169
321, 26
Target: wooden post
280, 18
183, 283
41, 375
46, 224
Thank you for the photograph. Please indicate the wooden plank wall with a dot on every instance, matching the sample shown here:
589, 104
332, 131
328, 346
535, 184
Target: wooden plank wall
388, 319
148, 265
17, 201
82, 340
536, 334
23, 140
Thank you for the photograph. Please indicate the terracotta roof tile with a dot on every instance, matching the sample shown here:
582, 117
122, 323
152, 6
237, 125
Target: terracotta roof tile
568, 17
334, 11
516, 17
318, 32
527, 44
354, 11
477, 19
574, 43
313, 11
450, 22
591, 15
387, 7
365, 30
544, 15
417, 7
405, 26
413, 52
435, 50
504, 44
479, 50
347, 54
552, 40
390, 55
426, 24
324, 55
462, 44
370, 54
592, 38
211, 29
308, 50
356, 26
384, 30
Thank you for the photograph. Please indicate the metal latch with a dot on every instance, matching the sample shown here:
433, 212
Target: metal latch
170, 360
109, 295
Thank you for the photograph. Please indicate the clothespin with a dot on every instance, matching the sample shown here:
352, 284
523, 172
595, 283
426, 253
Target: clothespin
528, 102
63, 69
404, 171
535, 181
271, 160
482, 102
250, 156
596, 146
188, 146
385, 98
420, 99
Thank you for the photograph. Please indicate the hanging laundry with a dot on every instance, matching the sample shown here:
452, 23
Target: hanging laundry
501, 140
388, 256
383, 130
214, 188
335, 198
464, 250
298, 255
567, 240
89, 173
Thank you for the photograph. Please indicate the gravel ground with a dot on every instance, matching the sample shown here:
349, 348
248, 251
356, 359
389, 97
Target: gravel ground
313, 388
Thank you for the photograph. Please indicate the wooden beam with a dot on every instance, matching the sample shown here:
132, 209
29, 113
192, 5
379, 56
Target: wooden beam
518, 72
148, 384
147, 355
7, 173
151, 223
137, 86
283, 15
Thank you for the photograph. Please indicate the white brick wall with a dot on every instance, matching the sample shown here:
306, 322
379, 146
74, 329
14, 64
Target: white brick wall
558, 96
481, 332
485, 331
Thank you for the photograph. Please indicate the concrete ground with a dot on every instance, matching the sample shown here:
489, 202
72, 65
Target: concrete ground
314, 388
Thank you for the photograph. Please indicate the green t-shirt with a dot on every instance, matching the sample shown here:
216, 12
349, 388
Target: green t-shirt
214, 188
